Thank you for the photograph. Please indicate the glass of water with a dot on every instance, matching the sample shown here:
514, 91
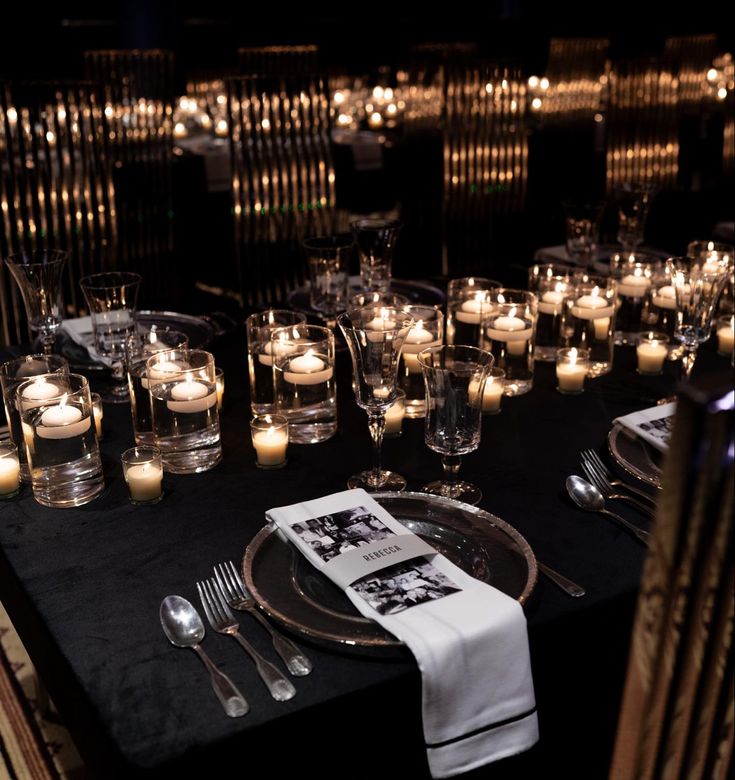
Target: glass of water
376, 241
328, 258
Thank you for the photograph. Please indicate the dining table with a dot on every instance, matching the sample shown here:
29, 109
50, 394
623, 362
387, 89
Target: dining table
83, 588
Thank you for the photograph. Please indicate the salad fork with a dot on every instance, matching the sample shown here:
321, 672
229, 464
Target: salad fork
238, 597
593, 459
222, 621
606, 489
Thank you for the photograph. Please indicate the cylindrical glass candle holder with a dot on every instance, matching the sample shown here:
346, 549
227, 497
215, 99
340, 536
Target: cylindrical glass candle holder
725, 330
510, 330
62, 448
184, 410
591, 319
143, 472
661, 313
12, 374
304, 382
468, 307
378, 298
219, 379
492, 395
553, 292
9, 470
427, 332
259, 329
572, 367
634, 274
394, 415
270, 439
651, 351
539, 272
139, 348
98, 413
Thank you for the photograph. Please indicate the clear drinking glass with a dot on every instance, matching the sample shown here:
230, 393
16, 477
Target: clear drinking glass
455, 379
184, 405
143, 344
698, 284
467, 307
375, 336
633, 202
591, 317
304, 383
510, 329
376, 241
14, 373
553, 292
328, 258
634, 274
112, 299
38, 275
62, 448
259, 328
582, 229
428, 331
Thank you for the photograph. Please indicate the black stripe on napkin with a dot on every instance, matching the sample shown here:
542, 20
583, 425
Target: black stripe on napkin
474, 733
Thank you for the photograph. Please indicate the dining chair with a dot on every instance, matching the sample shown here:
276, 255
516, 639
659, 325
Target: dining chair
56, 187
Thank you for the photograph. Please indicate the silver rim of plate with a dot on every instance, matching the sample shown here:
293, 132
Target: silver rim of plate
633, 456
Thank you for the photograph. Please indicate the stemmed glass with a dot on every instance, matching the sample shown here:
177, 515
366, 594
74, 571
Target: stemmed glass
697, 284
375, 335
38, 274
582, 222
329, 267
455, 379
376, 240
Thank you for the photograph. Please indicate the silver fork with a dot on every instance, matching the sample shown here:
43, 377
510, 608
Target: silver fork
605, 488
591, 457
222, 621
237, 596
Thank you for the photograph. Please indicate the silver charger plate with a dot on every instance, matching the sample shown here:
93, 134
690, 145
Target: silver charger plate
634, 456
302, 600
199, 331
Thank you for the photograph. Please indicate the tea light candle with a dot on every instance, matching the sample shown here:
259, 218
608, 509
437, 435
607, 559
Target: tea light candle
571, 370
165, 370
634, 285
394, 418
596, 308
651, 352
418, 339
471, 310
512, 330
307, 369
9, 475
726, 337
270, 446
274, 350
34, 395
492, 394
381, 393
62, 422
190, 396
144, 481
551, 302
665, 297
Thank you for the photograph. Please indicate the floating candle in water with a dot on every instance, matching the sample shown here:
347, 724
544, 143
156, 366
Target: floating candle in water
307, 369
514, 331
190, 396
62, 421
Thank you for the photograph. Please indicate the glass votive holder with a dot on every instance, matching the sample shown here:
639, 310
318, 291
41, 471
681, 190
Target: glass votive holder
9, 470
467, 308
572, 367
725, 330
270, 440
98, 413
379, 297
427, 332
219, 380
143, 471
553, 293
634, 274
591, 321
492, 395
394, 416
652, 350
541, 272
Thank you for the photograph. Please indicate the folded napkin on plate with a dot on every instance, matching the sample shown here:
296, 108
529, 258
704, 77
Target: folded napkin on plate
468, 638
79, 330
652, 425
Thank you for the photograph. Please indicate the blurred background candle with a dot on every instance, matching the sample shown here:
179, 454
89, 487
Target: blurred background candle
572, 365
651, 351
9, 470
394, 415
219, 378
270, 440
98, 413
725, 335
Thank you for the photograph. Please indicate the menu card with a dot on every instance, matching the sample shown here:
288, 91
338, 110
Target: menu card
653, 425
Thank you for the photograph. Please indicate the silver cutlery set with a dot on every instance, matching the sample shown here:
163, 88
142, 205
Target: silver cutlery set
219, 595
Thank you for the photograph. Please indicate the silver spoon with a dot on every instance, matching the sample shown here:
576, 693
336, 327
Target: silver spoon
184, 628
588, 497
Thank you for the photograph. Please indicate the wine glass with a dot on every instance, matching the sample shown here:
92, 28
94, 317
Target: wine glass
582, 224
329, 267
633, 202
697, 283
376, 240
375, 335
455, 379
38, 274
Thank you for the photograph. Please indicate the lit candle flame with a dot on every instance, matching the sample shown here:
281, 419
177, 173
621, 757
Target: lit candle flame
573, 356
62, 403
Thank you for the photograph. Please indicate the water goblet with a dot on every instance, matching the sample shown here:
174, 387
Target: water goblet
38, 275
375, 336
376, 240
455, 379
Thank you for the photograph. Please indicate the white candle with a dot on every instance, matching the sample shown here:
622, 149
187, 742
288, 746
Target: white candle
144, 481
726, 338
274, 350
98, 415
571, 375
665, 297
62, 422
307, 369
651, 355
270, 446
381, 323
417, 340
471, 311
9, 475
165, 370
596, 308
35, 394
634, 285
394, 418
491, 396
551, 302
381, 392
189, 396
512, 330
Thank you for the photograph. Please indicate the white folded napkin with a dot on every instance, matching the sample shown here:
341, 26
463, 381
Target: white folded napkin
652, 425
468, 638
80, 331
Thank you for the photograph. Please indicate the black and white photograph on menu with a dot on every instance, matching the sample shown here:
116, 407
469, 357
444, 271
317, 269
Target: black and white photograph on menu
334, 534
404, 585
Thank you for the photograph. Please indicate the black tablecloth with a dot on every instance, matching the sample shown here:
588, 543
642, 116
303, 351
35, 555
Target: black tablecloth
83, 587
